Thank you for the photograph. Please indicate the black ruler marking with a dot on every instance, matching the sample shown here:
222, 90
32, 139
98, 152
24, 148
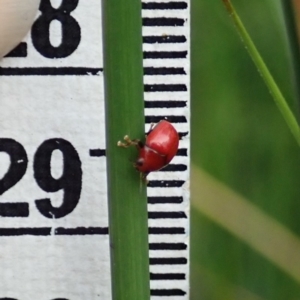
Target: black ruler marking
174, 168
164, 71
41, 231
168, 261
46, 231
97, 152
164, 54
50, 71
164, 39
172, 119
19, 51
166, 230
167, 292
166, 215
164, 5
182, 134
163, 22
165, 200
165, 88
166, 183
167, 276
167, 246
20, 209
165, 104
182, 152
168, 87
81, 231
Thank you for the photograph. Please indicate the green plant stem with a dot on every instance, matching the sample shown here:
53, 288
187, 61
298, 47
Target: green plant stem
262, 68
124, 108
291, 28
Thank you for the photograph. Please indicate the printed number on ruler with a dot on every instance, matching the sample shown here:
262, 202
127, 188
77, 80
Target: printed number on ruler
69, 182
59, 38
40, 33
63, 45
53, 191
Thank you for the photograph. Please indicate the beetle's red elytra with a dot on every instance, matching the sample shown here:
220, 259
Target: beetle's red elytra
159, 149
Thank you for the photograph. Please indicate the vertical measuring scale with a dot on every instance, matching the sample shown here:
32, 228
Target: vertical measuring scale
54, 241
166, 79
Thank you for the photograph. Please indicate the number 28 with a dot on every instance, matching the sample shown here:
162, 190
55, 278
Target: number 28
40, 32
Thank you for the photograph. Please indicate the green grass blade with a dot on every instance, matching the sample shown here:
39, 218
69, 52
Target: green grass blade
291, 28
124, 105
262, 68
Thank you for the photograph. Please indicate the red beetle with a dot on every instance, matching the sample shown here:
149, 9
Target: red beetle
159, 149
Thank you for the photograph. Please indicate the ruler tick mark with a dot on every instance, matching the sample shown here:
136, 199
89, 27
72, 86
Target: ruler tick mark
164, 5
168, 39
167, 276
168, 261
151, 71
97, 152
165, 200
163, 22
166, 215
20, 209
171, 119
167, 292
50, 71
164, 54
166, 230
167, 246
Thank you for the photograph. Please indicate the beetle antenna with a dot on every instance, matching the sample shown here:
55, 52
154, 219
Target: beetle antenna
151, 128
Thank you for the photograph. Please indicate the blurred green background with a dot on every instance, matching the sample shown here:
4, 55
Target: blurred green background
240, 138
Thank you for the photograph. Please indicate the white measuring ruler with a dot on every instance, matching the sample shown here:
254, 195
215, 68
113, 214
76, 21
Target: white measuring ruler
54, 240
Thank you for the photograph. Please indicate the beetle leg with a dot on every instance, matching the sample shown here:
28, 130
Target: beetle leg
143, 177
151, 128
128, 142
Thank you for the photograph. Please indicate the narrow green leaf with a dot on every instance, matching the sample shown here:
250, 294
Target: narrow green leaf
124, 113
291, 28
262, 68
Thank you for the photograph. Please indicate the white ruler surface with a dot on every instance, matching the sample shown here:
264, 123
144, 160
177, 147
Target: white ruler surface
166, 63
54, 241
